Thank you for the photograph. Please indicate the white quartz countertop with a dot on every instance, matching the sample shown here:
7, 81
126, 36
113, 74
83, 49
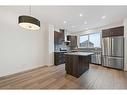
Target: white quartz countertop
60, 51
79, 53
87, 51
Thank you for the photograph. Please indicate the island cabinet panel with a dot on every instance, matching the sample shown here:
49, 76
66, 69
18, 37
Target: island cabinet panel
71, 68
83, 64
76, 65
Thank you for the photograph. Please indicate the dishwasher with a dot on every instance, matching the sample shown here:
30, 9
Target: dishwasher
96, 58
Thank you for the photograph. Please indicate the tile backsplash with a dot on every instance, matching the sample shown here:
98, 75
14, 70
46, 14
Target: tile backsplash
61, 46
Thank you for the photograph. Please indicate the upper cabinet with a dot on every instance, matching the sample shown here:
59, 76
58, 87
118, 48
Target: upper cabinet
73, 40
117, 31
59, 37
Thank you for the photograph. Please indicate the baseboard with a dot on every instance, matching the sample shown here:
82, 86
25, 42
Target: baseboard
26, 71
49, 65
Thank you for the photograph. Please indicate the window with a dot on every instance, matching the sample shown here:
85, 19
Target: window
84, 41
94, 40
90, 41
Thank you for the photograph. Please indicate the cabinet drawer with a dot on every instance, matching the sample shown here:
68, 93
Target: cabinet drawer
115, 62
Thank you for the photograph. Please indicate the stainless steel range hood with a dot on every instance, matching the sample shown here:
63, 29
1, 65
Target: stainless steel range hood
65, 36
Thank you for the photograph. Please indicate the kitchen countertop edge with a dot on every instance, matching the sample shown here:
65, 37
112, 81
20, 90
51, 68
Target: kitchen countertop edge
79, 53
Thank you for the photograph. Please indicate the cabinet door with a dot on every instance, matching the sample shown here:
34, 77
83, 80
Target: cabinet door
59, 58
61, 37
106, 33
71, 65
118, 31
55, 37
58, 37
68, 37
83, 64
68, 64
73, 40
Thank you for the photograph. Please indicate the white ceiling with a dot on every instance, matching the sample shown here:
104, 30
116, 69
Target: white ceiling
56, 15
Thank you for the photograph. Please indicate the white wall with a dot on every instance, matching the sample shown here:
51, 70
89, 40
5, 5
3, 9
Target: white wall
125, 44
21, 49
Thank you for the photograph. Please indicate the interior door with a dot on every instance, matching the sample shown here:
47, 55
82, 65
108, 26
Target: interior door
106, 46
117, 46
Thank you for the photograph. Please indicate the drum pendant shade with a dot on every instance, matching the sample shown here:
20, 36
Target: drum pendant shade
29, 22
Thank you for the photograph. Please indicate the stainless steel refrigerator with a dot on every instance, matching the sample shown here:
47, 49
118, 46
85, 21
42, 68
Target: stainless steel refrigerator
113, 52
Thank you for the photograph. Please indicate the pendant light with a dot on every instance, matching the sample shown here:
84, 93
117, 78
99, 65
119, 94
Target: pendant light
29, 22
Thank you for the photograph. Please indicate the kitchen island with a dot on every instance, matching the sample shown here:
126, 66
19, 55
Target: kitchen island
77, 63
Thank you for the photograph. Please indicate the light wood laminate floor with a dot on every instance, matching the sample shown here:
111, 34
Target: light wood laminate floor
55, 77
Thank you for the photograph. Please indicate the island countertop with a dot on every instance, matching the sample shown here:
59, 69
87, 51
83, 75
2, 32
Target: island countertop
79, 53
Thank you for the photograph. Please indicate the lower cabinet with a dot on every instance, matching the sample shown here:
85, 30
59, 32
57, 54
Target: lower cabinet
59, 58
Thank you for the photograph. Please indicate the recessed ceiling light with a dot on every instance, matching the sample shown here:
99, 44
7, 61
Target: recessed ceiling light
80, 14
103, 17
65, 21
85, 22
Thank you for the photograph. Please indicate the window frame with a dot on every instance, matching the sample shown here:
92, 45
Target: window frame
89, 39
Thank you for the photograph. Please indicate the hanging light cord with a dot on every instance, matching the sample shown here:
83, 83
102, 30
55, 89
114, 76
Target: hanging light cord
30, 10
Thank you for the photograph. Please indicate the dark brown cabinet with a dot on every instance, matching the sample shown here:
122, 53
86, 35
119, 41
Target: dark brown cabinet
58, 37
55, 37
106, 33
59, 58
76, 65
72, 39
117, 31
